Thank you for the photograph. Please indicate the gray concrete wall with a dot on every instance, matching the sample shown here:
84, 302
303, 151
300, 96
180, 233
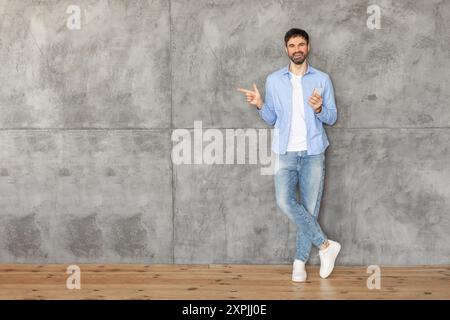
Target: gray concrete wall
86, 119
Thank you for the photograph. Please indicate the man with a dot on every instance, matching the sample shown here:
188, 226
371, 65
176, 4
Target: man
298, 100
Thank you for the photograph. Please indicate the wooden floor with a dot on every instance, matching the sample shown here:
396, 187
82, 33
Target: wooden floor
269, 282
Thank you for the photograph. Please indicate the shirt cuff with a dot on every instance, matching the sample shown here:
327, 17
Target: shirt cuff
321, 113
262, 108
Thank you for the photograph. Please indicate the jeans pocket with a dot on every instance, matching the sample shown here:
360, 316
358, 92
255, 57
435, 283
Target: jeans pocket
319, 155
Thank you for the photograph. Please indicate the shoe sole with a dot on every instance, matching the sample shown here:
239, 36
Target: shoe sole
298, 280
332, 267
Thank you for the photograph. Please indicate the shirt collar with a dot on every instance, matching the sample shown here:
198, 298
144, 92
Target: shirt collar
309, 69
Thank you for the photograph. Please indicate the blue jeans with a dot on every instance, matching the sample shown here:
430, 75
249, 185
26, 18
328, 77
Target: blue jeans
297, 167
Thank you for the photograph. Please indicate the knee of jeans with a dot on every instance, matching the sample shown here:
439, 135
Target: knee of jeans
284, 204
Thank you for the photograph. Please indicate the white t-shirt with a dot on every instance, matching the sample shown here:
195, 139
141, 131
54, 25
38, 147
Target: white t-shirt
297, 135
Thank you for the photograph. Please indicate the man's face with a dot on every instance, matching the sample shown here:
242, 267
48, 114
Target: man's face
297, 49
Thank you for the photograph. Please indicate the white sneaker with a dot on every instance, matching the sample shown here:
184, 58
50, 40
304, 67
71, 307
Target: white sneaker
298, 272
327, 258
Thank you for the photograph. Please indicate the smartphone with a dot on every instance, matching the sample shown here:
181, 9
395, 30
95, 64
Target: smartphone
319, 91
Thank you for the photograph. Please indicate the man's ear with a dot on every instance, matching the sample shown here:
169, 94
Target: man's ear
285, 49
309, 48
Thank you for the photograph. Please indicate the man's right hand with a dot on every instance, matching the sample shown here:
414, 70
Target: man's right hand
253, 97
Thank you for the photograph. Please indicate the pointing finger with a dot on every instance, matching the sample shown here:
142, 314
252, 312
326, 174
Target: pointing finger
244, 90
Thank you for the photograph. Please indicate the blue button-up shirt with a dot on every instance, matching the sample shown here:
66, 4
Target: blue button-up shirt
277, 109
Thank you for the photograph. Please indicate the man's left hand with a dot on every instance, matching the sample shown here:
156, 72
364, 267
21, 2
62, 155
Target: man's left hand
316, 102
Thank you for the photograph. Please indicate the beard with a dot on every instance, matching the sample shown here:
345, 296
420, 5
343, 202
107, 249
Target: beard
298, 58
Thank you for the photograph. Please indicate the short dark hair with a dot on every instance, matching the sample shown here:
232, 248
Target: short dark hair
294, 32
